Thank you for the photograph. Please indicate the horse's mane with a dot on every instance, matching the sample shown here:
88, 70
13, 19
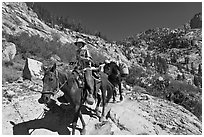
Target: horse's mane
66, 74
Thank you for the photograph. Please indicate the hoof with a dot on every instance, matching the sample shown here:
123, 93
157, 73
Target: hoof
121, 98
83, 131
41, 101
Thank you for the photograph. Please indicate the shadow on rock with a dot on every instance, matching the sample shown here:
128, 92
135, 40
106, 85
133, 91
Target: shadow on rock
56, 119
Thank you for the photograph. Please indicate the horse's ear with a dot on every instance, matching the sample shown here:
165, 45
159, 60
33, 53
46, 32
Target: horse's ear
53, 68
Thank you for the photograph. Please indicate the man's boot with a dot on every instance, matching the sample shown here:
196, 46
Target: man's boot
62, 99
90, 99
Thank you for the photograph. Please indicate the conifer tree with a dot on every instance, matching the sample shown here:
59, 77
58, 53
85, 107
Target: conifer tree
199, 70
192, 68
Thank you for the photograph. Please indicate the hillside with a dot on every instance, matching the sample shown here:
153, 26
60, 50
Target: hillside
164, 65
168, 63
22, 27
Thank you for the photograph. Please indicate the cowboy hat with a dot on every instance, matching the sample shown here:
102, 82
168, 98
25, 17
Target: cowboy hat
79, 40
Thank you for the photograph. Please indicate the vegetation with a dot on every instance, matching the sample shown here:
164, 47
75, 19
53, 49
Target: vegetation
61, 21
159, 53
12, 71
36, 46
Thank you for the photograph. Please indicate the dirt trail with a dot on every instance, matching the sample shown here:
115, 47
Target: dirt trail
138, 114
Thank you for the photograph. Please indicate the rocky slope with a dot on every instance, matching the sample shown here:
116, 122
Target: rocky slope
166, 62
34, 39
20, 22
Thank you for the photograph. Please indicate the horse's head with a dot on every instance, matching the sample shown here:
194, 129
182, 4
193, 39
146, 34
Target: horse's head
50, 84
112, 69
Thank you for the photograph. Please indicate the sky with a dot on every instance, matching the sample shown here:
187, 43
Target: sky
118, 20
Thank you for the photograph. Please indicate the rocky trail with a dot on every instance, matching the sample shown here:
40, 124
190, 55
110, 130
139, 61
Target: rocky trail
138, 114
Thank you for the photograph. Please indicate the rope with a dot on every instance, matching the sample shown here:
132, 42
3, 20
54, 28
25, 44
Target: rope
58, 85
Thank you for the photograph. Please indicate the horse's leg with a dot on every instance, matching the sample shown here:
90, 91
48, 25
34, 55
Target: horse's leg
110, 91
76, 116
103, 90
114, 94
120, 91
106, 87
90, 85
98, 96
106, 96
97, 105
83, 132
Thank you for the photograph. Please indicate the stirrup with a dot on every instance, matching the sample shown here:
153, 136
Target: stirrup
81, 84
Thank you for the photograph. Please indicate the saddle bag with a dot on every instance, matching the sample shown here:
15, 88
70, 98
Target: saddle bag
124, 69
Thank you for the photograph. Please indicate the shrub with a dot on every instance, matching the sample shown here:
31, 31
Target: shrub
66, 52
18, 67
97, 57
135, 73
199, 70
186, 95
10, 74
182, 86
38, 46
8, 63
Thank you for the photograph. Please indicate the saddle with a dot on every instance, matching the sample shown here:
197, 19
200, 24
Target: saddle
79, 77
96, 75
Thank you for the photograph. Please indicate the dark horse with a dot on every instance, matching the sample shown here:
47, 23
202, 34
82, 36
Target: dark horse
55, 80
114, 76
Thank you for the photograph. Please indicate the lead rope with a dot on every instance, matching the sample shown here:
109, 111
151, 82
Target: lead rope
59, 85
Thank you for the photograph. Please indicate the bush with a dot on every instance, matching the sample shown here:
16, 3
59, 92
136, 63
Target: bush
182, 86
8, 63
186, 95
135, 73
9, 74
97, 57
42, 48
67, 52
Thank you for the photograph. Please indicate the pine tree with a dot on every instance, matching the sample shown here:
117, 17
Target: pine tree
195, 81
199, 70
187, 68
186, 60
192, 68
178, 77
183, 76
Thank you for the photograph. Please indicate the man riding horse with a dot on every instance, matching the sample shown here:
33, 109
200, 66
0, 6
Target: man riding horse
84, 62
